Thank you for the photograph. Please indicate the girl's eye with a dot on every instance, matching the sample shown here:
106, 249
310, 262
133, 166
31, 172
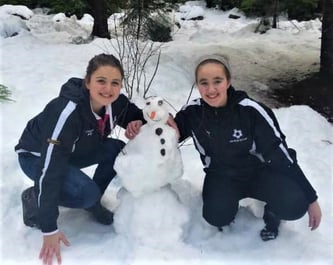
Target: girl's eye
217, 81
115, 83
101, 81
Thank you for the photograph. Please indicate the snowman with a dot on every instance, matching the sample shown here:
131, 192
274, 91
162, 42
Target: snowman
149, 210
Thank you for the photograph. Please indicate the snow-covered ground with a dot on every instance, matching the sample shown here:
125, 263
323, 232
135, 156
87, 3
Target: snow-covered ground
35, 63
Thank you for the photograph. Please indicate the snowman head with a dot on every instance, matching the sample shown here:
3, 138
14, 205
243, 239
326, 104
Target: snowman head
155, 111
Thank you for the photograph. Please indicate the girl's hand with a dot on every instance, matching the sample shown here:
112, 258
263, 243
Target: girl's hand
171, 122
133, 129
51, 247
314, 212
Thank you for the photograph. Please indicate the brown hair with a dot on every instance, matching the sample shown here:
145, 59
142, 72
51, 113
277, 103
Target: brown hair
103, 60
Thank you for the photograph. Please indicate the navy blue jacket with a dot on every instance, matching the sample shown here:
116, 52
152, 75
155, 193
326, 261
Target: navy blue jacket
67, 129
239, 138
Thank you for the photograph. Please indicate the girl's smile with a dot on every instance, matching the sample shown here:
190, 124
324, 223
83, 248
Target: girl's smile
104, 86
213, 84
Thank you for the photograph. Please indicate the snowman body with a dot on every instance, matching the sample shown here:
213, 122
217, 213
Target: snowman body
149, 210
152, 159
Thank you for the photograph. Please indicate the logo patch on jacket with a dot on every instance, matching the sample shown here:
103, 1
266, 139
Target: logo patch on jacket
89, 132
237, 136
53, 141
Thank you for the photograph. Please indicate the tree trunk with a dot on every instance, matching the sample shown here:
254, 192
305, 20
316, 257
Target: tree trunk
275, 14
138, 29
99, 13
209, 3
326, 52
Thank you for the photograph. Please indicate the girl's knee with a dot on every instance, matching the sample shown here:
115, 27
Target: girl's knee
218, 215
114, 144
90, 195
112, 148
296, 212
292, 210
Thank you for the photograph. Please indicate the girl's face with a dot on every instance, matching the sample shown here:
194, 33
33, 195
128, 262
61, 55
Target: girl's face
104, 86
213, 84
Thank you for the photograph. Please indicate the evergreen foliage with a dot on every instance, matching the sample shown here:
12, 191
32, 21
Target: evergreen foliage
142, 9
296, 9
302, 9
159, 30
69, 7
79, 7
4, 93
143, 19
254, 7
223, 4
28, 3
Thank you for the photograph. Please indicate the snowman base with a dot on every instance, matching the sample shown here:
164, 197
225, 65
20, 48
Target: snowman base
155, 218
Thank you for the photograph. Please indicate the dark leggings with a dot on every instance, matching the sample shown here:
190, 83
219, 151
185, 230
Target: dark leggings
78, 190
221, 196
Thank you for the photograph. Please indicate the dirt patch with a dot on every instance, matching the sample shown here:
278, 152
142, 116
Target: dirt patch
313, 91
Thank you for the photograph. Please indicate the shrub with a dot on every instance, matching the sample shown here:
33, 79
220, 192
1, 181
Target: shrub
4, 93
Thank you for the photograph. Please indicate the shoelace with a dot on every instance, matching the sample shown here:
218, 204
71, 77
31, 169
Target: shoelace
268, 235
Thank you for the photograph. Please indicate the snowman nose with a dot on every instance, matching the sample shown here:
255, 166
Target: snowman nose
152, 115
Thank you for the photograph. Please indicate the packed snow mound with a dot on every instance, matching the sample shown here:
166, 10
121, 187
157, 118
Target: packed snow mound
12, 26
13, 20
17, 10
59, 28
156, 218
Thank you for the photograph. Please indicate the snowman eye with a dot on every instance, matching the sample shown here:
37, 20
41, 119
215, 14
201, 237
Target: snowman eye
148, 103
160, 102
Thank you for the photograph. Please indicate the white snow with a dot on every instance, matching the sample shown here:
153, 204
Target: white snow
34, 64
17, 10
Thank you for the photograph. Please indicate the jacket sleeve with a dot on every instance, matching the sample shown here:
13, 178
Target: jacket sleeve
270, 142
124, 111
183, 124
59, 131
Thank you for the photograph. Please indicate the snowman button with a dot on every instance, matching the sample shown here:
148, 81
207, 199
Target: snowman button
162, 141
159, 131
162, 152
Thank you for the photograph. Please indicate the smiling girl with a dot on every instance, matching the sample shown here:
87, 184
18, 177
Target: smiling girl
244, 153
72, 132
